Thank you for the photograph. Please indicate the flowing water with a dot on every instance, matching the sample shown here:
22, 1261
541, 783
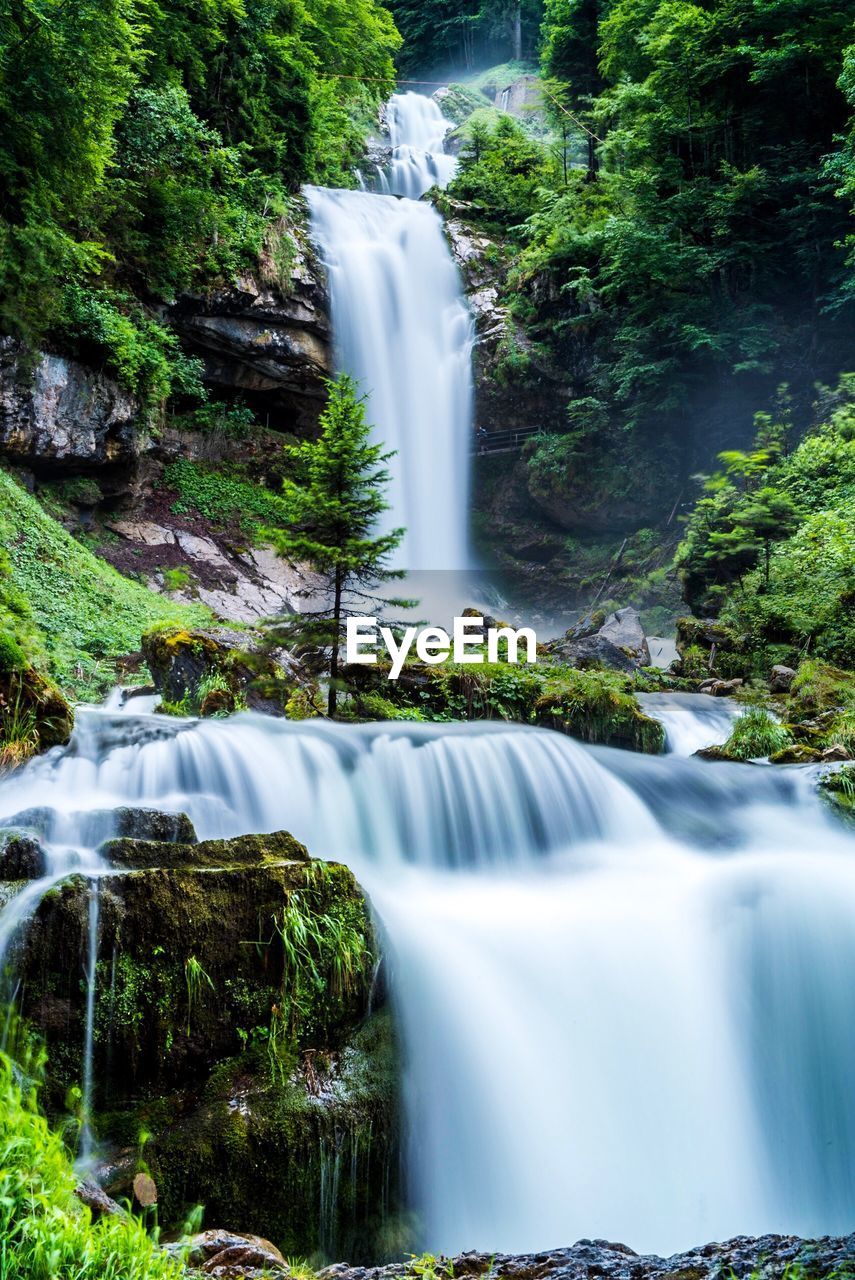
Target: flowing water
692, 721
624, 983
403, 330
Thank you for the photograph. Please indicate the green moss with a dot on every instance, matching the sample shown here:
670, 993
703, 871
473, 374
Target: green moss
838, 789
66, 609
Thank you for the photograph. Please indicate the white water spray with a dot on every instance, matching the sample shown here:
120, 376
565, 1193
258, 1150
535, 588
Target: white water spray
624, 982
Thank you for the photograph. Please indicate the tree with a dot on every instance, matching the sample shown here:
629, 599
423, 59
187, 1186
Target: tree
335, 495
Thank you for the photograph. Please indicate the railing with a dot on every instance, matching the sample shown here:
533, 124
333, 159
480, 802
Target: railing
502, 441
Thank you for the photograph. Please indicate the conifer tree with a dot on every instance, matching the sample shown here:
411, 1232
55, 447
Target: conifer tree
336, 497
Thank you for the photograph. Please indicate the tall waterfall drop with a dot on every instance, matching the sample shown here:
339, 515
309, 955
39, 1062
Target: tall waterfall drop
403, 330
624, 983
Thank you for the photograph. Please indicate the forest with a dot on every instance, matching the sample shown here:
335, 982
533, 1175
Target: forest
527, 318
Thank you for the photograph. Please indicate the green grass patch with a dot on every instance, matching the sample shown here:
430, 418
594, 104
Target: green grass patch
70, 612
44, 1231
223, 496
756, 735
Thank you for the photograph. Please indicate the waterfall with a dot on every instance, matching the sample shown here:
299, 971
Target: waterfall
403, 330
623, 982
417, 130
692, 722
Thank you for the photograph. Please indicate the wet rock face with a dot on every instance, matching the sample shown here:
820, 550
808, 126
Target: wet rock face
762, 1258
56, 415
21, 856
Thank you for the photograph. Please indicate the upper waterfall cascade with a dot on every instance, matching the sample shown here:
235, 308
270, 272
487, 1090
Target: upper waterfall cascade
403, 330
624, 983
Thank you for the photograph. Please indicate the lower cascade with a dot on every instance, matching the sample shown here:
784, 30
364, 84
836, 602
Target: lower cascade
623, 982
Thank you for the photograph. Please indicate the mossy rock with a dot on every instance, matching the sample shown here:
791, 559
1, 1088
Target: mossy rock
797, 753
310, 1160
21, 856
214, 672
838, 790
242, 851
191, 955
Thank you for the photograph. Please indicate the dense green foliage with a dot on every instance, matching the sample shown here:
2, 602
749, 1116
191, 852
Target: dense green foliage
65, 608
335, 499
771, 544
439, 34
44, 1231
681, 250
147, 150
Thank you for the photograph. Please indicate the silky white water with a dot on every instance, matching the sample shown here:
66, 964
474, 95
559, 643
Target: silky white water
417, 130
692, 721
403, 330
624, 983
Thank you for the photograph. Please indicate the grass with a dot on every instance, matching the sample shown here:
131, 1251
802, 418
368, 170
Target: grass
45, 1233
755, 735
69, 611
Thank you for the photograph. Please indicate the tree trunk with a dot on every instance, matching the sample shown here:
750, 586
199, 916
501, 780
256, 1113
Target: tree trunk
517, 20
332, 699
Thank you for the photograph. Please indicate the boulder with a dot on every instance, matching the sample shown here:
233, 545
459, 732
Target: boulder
226, 1254
623, 629
836, 752
182, 662
796, 753
21, 856
95, 825
39, 715
618, 642
781, 678
720, 688
280, 846
57, 415
97, 1201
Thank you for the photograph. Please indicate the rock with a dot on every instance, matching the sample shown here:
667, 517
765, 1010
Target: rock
619, 642
796, 753
266, 334
624, 630
835, 752
38, 820
21, 856
781, 678
720, 688
46, 717
227, 1254
280, 846
57, 415
181, 661
204, 1033
97, 1201
761, 1258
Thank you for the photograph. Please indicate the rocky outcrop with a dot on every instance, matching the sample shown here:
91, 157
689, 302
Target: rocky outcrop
56, 415
515, 387
762, 1258
34, 714
231, 1024
21, 856
268, 334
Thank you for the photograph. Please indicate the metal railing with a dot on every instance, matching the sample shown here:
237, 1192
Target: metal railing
502, 441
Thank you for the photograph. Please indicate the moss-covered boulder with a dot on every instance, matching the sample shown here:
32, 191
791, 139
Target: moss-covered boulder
710, 648
232, 988
215, 672
838, 790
